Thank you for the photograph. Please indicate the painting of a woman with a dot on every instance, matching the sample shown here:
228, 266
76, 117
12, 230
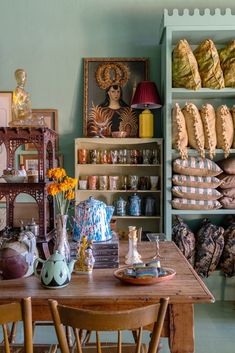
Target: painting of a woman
113, 114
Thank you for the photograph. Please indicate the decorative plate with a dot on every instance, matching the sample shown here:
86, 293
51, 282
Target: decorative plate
119, 274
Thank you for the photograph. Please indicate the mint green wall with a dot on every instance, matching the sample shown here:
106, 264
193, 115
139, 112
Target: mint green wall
49, 38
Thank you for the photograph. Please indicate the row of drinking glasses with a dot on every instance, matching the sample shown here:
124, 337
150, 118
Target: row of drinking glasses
122, 156
116, 182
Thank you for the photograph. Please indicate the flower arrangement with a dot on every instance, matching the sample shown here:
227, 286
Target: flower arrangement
61, 188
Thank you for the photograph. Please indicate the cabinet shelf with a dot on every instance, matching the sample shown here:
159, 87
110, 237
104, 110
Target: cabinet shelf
206, 93
148, 223
136, 217
97, 165
119, 191
220, 211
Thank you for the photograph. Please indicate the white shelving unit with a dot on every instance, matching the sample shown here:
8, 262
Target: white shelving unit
148, 223
195, 27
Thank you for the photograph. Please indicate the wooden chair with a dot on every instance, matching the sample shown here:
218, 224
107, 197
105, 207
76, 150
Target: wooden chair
134, 319
12, 313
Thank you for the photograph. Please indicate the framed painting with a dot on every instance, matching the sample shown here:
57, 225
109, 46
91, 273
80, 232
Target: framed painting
109, 85
51, 119
5, 108
30, 161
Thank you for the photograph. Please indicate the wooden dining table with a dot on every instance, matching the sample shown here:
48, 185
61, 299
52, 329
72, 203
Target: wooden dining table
102, 290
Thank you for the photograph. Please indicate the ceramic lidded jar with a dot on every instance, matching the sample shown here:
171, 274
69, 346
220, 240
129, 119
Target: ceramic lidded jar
120, 207
93, 220
134, 205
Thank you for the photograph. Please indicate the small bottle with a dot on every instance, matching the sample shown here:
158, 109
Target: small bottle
132, 256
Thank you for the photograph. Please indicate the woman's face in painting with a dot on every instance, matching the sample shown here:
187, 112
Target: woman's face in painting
114, 93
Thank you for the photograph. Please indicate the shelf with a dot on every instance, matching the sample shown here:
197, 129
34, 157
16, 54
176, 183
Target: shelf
202, 212
117, 165
134, 217
118, 191
206, 93
193, 152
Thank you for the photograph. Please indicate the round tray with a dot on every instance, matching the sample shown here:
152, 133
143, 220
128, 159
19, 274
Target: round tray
143, 281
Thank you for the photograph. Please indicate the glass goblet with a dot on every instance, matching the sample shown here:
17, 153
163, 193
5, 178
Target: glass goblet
156, 237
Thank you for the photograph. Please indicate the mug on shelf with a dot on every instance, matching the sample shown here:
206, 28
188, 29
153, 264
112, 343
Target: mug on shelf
82, 183
92, 182
113, 182
82, 156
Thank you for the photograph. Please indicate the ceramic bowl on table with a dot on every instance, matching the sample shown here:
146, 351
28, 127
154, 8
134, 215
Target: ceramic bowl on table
13, 178
119, 134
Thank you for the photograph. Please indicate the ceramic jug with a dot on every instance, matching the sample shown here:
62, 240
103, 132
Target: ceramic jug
55, 273
149, 208
120, 206
93, 220
134, 205
17, 255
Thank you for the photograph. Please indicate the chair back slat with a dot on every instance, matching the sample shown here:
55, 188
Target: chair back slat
92, 320
10, 314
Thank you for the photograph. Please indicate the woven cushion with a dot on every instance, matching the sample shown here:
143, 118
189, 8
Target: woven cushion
227, 260
196, 181
179, 132
227, 165
184, 67
208, 120
227, 202
192, 193
209, 65
194, 128
186, 204
224, 129
227, 62
184, 239
228, 192
196, 166
228, 181
209, 247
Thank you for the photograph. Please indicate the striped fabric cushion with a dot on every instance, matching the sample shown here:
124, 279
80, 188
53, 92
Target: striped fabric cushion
186, 204
196, 166
196, 181
192, 193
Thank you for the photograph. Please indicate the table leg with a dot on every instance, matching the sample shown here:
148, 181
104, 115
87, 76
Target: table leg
181, 326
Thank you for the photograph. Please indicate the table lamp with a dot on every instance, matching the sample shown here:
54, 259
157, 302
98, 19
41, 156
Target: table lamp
146, 97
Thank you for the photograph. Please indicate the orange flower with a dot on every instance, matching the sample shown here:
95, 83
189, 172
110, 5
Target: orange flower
70, 195
62, 188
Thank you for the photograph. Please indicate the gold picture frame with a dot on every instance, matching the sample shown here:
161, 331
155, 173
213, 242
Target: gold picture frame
51, 119
99, 75
30, 161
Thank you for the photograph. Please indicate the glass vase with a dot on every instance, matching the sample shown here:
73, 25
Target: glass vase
61, 240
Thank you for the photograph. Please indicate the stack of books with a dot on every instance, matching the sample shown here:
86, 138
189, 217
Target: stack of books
106, 253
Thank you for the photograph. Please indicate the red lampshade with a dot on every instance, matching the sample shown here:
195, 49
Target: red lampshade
146, 96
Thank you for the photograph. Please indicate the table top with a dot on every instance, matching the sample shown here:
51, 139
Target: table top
102, 288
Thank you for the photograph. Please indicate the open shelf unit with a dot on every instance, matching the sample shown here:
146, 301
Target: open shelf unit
195, 27
148, 223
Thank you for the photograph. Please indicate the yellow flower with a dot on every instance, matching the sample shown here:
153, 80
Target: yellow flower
70, 195
53, 189
62, 188
56, 173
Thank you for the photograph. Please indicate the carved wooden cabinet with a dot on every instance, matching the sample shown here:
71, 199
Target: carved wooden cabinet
45, 142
